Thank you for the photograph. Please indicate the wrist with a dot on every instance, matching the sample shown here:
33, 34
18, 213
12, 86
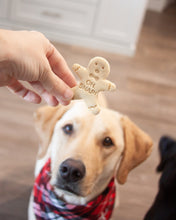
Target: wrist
6, 60
5, 47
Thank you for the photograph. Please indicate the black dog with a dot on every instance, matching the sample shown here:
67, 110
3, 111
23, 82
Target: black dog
164, 206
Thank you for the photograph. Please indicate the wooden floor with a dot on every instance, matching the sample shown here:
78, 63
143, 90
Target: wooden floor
146, 93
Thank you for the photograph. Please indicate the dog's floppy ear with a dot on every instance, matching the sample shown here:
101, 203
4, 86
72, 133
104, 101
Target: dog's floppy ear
45, 119
138, 146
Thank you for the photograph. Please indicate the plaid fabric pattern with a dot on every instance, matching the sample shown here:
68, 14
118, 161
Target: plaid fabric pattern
48, 206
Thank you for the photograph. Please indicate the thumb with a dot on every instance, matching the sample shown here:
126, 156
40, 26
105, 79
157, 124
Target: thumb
56, 87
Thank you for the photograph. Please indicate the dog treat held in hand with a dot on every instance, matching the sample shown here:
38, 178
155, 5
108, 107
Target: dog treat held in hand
92, 81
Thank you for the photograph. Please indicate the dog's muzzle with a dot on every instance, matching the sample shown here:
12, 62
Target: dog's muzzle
47, 204
71, 172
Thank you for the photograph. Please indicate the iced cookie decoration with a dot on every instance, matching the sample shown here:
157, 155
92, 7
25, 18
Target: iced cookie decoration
92, 81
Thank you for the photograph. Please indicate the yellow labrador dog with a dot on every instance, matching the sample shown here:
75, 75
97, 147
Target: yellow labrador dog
79, 158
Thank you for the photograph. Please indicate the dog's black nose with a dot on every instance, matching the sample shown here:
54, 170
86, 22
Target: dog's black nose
72, 170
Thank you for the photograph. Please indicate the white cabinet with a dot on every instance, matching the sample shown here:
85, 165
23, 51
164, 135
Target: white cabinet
111, 25
69, 16
120, 20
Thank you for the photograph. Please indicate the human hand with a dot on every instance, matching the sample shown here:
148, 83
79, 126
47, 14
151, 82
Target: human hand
29, 56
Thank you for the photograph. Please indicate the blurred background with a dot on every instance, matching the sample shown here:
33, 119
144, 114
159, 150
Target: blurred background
138, 38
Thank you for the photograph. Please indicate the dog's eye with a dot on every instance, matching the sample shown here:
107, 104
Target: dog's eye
68, 129
107, 142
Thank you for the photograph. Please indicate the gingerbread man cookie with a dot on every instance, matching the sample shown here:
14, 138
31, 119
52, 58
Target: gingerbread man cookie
92, 81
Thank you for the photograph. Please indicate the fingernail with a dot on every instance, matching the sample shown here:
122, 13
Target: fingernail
68, 94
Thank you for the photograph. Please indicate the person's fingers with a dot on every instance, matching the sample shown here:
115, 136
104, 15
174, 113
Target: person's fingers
60, 67
16, 87
54, 85
50, 99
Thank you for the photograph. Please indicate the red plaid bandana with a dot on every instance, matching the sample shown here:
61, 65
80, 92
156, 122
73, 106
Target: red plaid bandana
47, 206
